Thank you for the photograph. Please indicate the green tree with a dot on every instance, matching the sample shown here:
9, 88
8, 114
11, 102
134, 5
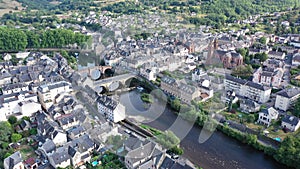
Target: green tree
242, 51
15, 137
263, 40
175, 104
261, 56
288, 152
243, 71
168, 139
12, 120
5, 132
176, 150
251, 118
296, 110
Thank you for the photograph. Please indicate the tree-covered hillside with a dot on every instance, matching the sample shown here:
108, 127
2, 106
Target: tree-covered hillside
199, 12
208, 12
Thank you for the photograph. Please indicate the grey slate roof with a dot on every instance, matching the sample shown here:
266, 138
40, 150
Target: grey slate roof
107, 101
245, 82
291, 120
60, 155
289, 93
49, 146
12, 160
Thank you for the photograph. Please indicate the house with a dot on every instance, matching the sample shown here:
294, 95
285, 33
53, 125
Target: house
17, 104
229, 96
14, 161
296, 59
22, 55
179, 89
29, 107
290, 122
248, 105
150, 155
25, 125
169, 163
113, 58
47, 148
6, 57
80, 150
273, 63
276, 55
245, 88
268, 76
68, 121
286, 98
76, 132
60, 158
48, 92
30, 163
104, 130
197, 74
206, 92
5, 77
49, 129
149, 74
14, 88
111, 108
267, 115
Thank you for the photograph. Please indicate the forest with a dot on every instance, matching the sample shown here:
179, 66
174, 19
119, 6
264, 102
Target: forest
15, 39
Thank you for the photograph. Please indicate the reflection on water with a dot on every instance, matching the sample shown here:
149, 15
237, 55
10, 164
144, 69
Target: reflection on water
88, 65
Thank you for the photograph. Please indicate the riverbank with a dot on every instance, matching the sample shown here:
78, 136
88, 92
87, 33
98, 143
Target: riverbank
205, 121
219, 151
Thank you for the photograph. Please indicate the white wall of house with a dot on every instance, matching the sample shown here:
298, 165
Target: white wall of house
282, 103
264, 119
289, 126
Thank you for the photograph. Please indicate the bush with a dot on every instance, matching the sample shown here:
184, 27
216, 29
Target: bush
176, 150
168, 139
148, 98
12, 120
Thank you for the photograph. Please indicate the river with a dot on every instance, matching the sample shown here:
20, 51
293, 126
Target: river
219, 151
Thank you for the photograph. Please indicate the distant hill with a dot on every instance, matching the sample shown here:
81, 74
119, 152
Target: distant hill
8, 5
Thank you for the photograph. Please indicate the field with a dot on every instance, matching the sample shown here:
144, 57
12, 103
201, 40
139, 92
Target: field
7, 5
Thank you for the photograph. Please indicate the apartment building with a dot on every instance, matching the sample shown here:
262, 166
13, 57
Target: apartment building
48, 92
248, 89
286, 98
111, 108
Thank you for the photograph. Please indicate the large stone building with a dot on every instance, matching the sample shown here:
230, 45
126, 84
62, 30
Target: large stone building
179, 89
268, 76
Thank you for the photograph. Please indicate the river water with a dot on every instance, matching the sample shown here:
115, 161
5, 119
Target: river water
219, 151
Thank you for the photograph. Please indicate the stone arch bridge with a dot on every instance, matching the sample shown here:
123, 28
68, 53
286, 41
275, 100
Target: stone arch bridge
114, 83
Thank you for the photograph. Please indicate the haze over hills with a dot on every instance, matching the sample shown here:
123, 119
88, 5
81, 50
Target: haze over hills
197, 12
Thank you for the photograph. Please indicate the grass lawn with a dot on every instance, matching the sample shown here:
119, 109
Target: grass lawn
27, 151
151, 129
